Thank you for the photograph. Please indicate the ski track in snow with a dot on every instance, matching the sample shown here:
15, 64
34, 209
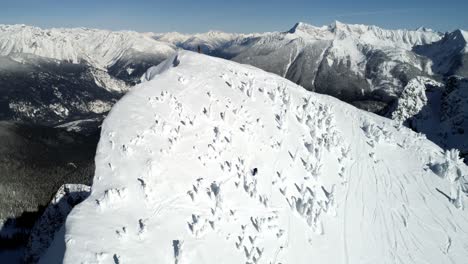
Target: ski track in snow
235, 165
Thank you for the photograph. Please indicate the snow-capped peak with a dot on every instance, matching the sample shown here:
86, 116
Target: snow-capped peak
424, 29
337, 25
301, 26
211, 161
460, 36
367, 34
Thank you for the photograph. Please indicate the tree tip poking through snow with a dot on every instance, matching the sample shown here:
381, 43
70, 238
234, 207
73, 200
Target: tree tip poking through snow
210, 161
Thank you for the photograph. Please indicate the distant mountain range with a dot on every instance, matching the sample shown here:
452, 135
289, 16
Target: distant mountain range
52, 77
71, 77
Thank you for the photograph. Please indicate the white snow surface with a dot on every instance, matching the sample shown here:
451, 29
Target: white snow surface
210, 161
100, 48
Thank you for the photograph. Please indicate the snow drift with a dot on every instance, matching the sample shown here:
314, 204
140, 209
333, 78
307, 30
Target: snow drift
210, 161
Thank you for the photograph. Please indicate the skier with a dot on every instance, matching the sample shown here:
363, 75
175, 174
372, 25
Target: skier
254, 171
199, 49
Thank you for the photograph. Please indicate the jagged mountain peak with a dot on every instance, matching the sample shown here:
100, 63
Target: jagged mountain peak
305, 28
367, 33
424, 29
336, 25
459, 35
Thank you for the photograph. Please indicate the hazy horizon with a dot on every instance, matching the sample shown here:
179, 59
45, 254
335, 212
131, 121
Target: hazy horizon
242, 16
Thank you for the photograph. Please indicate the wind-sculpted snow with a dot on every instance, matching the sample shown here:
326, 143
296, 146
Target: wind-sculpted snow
210, 161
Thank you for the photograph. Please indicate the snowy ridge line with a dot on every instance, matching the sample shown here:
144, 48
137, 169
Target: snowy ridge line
210, 161
367, 33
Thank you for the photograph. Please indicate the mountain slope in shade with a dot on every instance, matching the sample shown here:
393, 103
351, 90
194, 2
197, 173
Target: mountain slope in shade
52, 220
449, 55
57, 76
210, 161
439, 111
48, 92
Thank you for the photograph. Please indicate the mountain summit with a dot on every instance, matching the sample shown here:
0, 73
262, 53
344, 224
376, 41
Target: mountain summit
210, 161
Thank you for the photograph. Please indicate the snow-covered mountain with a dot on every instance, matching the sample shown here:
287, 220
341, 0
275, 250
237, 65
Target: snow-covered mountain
364, 65
215, 43
271, 173
100, 48
48, 92
373, 68
57, 76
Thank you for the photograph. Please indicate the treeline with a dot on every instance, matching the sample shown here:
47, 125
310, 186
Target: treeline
34, 162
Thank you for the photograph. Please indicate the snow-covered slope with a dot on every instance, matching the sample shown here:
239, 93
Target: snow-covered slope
210, 161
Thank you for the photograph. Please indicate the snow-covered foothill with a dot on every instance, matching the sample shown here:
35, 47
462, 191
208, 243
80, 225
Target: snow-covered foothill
210, 161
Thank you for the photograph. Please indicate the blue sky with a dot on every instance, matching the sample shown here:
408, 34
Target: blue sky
232, 15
